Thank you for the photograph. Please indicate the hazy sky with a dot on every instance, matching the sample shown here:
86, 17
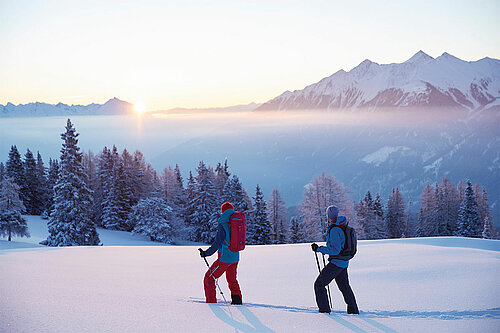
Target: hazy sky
167, 54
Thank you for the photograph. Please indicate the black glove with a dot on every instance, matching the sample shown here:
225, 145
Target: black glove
314, 246
202, 253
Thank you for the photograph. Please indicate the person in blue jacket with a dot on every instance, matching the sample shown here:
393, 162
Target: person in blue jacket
336, 268
227, 261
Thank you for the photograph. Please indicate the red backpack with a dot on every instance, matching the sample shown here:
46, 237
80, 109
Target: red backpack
238, 227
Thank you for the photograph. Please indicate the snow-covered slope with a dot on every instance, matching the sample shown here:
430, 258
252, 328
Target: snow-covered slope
445, 81
407, 285
112, 107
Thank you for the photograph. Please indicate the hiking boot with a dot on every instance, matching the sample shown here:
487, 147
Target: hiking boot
351, 310
324, 311
236, 300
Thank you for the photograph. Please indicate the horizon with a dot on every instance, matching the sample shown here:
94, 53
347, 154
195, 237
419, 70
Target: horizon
217, 54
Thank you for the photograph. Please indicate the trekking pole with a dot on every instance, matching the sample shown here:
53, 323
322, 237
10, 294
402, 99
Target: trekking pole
317, 261
327, 286
211, 274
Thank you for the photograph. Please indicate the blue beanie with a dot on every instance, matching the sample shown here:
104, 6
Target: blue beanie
332, 212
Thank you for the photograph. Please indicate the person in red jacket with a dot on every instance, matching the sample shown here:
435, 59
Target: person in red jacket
227, 260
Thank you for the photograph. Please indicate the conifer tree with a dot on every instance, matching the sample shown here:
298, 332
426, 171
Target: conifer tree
42, 189
110, 218
52, 178
488, 230
2, 171
296, 231
484, 208
70, 222
152, 217
14, 169
221, 178
259, 229
381, 231
204, 206
395, 216
11, 206
29, 187
276, 212
234, 193
469, 222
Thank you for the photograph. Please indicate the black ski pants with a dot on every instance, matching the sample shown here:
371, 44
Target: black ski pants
326, 276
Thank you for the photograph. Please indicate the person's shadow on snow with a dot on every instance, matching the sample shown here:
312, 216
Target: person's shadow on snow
224, 314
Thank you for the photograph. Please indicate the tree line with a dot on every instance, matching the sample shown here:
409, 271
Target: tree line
121, 191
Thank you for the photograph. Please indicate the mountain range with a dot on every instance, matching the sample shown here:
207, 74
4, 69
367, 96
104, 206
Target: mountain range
421, 81
114, 106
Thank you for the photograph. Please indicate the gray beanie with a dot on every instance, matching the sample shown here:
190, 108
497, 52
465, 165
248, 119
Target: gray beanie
332, 212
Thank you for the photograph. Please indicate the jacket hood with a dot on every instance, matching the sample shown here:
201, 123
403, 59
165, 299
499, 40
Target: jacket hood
341, 220
224, 219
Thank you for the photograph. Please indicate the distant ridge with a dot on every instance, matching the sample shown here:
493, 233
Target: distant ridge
421, 81
114, 106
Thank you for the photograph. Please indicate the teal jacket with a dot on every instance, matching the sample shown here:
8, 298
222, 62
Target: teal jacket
222, 240
335, 241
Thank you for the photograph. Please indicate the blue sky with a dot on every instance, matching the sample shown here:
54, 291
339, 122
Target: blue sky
166, 54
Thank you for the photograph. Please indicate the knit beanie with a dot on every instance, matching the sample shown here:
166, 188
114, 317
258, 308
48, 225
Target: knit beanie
225, 206
332, 212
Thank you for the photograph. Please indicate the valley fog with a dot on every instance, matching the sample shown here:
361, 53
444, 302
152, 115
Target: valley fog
374, 151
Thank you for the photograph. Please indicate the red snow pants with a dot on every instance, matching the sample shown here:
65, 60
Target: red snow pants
214, 272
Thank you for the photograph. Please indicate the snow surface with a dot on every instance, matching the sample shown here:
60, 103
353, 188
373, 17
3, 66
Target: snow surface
381, 155
444, 284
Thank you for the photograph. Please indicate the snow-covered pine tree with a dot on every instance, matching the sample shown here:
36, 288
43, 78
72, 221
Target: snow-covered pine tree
276, 213
322, 192
469, 221
52, 177
92, 168
2, 171
110, 218
234, 193
189, 208
221, 178
14, 169
138, 169
358, 220
296, 234
259, 230
427, 216
488, 230
395, 216
152, 217
29, 187
11, 206
173, 193
368, 217
381, 231
70, 222
204, 207
42, 189
483, 206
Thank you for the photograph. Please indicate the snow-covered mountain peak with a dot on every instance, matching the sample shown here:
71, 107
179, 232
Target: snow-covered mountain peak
421, 81
419, 57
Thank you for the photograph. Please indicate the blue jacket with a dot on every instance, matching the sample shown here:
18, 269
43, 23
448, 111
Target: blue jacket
335, 241
222, 240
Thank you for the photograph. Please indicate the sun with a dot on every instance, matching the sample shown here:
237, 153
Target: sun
139, 108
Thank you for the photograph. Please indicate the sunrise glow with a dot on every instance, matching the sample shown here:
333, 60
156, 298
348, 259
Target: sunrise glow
139, 108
